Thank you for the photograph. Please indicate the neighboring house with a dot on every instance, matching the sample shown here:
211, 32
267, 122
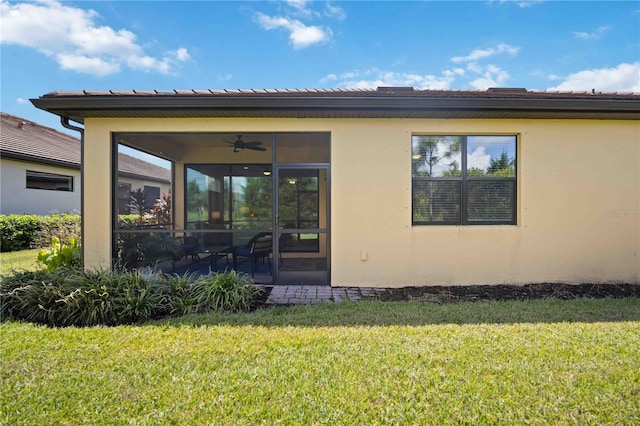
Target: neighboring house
386, 187
40, 170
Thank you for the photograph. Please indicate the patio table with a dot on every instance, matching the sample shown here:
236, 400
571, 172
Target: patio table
217, 252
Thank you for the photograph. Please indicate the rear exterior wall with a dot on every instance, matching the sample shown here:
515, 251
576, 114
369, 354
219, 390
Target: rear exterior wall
577, 212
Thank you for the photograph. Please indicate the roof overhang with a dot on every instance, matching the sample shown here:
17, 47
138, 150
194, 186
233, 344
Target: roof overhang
78, 106
38, 160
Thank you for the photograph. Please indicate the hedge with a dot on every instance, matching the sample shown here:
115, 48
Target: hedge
20, 232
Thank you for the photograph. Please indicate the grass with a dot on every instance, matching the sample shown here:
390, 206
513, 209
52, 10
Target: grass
18, 260
533, 362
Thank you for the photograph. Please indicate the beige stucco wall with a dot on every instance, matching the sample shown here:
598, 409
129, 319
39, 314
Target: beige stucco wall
578, 201
17, 198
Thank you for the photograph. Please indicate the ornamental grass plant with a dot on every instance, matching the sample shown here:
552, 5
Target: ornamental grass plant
77, 297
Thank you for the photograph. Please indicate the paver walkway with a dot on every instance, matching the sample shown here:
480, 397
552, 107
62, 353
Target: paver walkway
311, 294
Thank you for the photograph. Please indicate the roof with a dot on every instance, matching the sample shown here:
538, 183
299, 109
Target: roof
383, 102
26, 140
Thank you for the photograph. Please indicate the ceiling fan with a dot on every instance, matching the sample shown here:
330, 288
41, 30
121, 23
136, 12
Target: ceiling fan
239, 145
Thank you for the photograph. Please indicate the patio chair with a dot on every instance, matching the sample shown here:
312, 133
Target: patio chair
189, 246
256, 252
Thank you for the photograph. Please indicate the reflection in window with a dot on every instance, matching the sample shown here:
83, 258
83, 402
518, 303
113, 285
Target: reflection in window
229, 196
463, 179
436, 156
143, 196
299, 207
124, 198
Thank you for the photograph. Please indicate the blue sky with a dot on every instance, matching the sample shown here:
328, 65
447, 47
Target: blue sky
165, 45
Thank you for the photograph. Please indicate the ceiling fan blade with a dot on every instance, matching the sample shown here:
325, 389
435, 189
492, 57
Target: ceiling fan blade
254, 143
255, 148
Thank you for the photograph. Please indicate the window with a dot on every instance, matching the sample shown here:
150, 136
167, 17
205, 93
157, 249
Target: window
229, 196
49, 181
463, 180
299, 208
124, 198
152, 194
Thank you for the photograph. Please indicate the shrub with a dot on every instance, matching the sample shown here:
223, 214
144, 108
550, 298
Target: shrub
17, 231
62, 226
76, 297
61, 255
30, 295
178, 295
20, 232
227, 291
66, 297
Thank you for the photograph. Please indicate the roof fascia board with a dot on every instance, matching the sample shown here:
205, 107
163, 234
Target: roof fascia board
38, 160
82, 106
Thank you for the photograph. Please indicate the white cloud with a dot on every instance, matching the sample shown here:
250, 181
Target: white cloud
300, 7
335, 12
493, 76
484, 76
73, 38
85, 64
485, 53
524, 4
182, 55
22, 101
475, 75
300, 35
372, 78
520, 3
622, 78
479, 159
598, 33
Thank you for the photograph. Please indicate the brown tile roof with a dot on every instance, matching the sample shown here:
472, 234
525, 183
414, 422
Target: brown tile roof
383, 102
135, 167
29, 141
20, 137
496, 92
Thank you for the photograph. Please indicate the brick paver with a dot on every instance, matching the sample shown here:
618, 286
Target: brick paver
312, 294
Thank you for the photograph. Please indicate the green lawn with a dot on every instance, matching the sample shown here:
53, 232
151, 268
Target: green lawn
533, 362
18, 260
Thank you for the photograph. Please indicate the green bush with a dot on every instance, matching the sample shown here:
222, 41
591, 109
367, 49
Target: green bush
62, 226
32, 295
60, 254
177, 294
76, 297
17, 231
20, 232
228, 291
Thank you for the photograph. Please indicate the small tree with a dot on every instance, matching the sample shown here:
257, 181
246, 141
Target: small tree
139, 204
161, 210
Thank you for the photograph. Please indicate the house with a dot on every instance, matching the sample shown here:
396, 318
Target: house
386, 187
40, 170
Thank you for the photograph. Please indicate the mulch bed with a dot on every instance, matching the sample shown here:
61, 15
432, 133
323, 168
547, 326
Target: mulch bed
441, 294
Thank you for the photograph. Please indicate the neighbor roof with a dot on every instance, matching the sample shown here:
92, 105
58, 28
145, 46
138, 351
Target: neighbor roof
26, 140
383, 102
